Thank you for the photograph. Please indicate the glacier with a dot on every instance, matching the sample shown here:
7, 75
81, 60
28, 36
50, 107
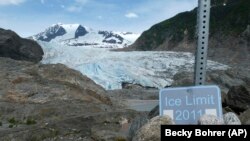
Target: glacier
110, 68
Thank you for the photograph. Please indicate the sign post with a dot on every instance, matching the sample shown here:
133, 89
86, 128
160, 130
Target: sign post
187, 104
203, 17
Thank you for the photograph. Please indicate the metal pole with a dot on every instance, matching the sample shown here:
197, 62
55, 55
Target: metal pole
203, 17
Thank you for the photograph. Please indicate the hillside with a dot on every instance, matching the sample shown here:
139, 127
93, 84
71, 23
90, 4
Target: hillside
17, 48
229, 32
41, 102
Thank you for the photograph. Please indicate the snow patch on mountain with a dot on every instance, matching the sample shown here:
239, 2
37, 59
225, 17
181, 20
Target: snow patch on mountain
111, 69
78, 35
132, 37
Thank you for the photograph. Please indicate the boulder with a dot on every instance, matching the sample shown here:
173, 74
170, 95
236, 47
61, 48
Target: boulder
247, 122
141, 120
231, 119
238, 98
183, 79
210, 120
154, 112
15, 47
136, 124
225, 79
223, 98
227, 109
240, 73
152, 130
245, 117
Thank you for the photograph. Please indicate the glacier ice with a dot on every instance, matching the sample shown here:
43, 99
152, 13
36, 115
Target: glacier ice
110, 69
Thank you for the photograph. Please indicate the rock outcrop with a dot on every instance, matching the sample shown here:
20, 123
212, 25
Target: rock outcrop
15, 47
224, 79
53, 102
210, 120
42, 83
245, 117
238, 97
151, 131
231, 118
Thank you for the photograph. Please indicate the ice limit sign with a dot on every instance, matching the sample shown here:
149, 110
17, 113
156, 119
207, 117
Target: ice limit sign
187, 104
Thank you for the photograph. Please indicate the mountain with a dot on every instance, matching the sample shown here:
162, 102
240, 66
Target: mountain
229, 33
78, 35
15, 47
53, 99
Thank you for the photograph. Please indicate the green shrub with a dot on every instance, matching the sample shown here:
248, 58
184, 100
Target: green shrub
30, 121
12, 121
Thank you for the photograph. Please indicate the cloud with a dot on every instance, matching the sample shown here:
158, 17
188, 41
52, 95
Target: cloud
165, 8
99, 17
81, 1
11, 2
77, 6
42, 1
74, 8
131, 15
152, 12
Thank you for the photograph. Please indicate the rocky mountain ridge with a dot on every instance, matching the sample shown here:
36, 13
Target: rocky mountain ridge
229, 33
78, 35
15, 47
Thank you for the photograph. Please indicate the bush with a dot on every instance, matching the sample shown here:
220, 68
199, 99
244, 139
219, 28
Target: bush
12, 121
30, 121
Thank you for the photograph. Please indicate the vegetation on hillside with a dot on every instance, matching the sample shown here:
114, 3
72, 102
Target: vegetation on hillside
230, 19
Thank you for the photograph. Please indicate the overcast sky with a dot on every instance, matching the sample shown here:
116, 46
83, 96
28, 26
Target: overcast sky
28, 17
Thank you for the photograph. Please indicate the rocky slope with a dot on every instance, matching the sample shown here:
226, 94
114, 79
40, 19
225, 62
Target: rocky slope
52, 102
58, 102
229, 33
13, 46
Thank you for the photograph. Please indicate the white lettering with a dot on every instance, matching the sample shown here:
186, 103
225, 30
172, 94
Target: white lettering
199, 132
206, 100
169, 132
172, 102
